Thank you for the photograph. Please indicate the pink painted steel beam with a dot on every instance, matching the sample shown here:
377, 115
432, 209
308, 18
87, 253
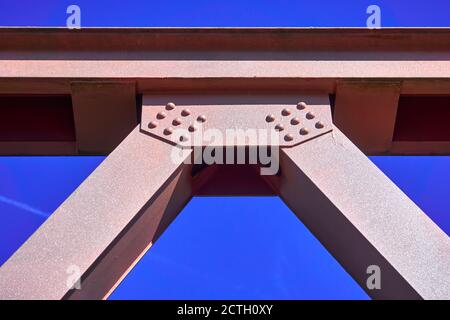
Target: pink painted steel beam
359, 215
104, 227
364, 219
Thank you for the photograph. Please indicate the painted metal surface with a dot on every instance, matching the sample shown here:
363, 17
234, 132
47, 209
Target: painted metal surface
225, 61
240, 125
364, 219
240, 79
115, 216
103, 228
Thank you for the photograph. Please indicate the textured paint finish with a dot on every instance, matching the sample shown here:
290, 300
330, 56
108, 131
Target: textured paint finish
90, 220
194, 69
363, 218
238, 125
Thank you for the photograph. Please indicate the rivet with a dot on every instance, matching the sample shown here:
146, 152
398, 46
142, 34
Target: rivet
170, 106
279, 127
153, 124
319, 125
192, 128
270, 118
295, 121
285, 112
168, 131
301, 105
304, 131
201, 118
176, 121
288, 137
310, 115
184, 138
185, 112
161, 115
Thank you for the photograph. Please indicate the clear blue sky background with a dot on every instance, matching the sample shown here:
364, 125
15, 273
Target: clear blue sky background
219, 247
230, 13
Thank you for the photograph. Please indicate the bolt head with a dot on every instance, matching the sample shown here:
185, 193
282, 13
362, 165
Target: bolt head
301, 105
192, 128
184, 138
304, 131
319, 125
168, 131
161, 115
310, 115
285, 112
176, 121
295, 121
170, 106
185, 112
288, 137
270, 118
201, 118
153, 124
279, 127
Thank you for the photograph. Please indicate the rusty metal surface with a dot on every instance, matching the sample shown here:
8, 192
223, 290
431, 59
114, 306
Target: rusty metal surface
364, 219
103, 227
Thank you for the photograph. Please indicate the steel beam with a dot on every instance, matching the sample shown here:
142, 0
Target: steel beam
357, 213
104, 227
366, 111
104, 112
364, 219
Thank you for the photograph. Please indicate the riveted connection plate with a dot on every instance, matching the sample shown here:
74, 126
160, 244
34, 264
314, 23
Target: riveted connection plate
189, 125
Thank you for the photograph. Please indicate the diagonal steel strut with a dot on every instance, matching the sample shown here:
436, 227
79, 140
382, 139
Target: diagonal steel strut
104, 227
110, 221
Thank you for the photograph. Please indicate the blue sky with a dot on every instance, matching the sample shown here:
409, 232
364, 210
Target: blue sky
230, 13
219, 247
248, 248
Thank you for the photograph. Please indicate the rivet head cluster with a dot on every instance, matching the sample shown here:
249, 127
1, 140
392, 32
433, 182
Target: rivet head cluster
300, 117
167, 121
